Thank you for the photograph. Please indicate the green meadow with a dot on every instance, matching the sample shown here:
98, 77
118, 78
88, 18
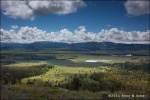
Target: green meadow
55, 74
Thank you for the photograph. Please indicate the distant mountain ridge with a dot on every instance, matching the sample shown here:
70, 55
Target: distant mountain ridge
87, 46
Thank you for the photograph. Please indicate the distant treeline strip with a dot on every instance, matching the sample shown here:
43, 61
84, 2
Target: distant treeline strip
142, 65
11, 75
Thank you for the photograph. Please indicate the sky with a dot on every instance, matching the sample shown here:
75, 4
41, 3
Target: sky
74, 21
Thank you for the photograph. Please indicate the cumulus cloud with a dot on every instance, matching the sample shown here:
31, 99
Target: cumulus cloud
120, 36
14, 26
137, 7
29, 9
9, 36
17, 9
32, 34
83, 35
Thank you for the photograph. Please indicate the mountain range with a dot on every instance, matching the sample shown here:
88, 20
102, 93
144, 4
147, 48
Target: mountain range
77, 46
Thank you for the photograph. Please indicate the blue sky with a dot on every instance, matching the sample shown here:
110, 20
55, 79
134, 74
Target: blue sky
95, 16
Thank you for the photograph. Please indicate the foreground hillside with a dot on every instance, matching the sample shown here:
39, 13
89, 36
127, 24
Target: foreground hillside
17, 92
61, 73
81, 83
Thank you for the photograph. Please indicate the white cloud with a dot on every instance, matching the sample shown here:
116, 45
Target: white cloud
29, 34
137, 7
9, 36
17, 9
26, 9
14, 26
32, 34
120, 36
84, 36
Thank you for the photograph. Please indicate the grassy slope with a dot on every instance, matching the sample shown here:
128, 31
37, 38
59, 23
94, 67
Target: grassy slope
38, 91
64, 72
27, 64
18, 92
67, 67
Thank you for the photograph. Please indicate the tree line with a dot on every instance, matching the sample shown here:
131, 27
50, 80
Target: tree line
142, 65
11, 75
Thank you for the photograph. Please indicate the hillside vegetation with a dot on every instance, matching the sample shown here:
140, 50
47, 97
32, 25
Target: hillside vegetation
90, 83
64, 74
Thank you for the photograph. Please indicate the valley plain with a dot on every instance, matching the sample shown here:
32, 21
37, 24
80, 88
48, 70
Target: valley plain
66, 73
